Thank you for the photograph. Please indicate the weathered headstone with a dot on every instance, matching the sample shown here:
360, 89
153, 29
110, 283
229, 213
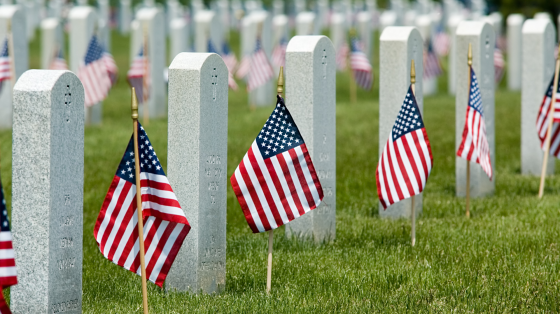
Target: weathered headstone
179, 37
125, 16
16, 16
482, 37
311, 99
47, 192
539, 39
207, 26
398, 46
364, 24
452, 25
52, 40
514, 25
82, 21
197, 160
152, 23
305, 23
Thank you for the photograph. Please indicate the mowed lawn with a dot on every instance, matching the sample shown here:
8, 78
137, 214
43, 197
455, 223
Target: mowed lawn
504, 259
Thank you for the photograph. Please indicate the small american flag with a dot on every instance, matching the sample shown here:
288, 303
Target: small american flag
441, 42
95, 74
432, 67
474, 145
279, 54
58, 62
165, 225
137, 74
231, 63
342, 57
276, 182
542, 120
406, 162
499, 65
244, 67
361, 68
8, 273
260, 71
5, 65
111, 66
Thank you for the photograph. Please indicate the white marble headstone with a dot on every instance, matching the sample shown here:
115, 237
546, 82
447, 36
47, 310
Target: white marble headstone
52, 40
514, 39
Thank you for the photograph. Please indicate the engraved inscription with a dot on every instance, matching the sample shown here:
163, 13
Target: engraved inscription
65, 306
66, 199
212, 186
213, 265
216, 172
213, 160
327, 192
323, 209
67, 100
323, 157
322, 174
66, 242
66, 221
213, 199
324, 63
213, 252
324, 139
65, 264
214, 83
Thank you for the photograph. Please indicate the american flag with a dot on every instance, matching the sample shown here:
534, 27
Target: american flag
58, 62
474, 145
136, 75
342, 57
111, 66
542, 120
499, 65
260, 71
8, 273
5, 65
441, 42
165, 225
432, 67
361, 68
279, 53
276, 182
244, 67
407, 161
95, 74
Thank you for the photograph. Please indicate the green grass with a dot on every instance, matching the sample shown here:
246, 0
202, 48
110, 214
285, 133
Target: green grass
504, 259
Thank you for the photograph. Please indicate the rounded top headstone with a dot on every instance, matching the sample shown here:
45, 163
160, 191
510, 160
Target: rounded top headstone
538, 26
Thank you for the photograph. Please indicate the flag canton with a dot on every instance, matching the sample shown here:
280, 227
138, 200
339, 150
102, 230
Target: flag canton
141, 53
355, 44
409, 118
258, 45
549, 91
279, 133
211, 47
225, 48
475, 99
5, 49
94, 52
149, 161
4, 222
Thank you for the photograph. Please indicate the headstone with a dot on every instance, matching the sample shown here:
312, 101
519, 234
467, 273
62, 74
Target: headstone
482, 37
125, 16
452, 25
179, 37
197, 167
363, 21
410, 18
279, 33
398, 46
47, 192
305, 24
52, 40
278, 7
338, 30
207, 26
103, 27
371, 6
538, 68
542, 15
514, 25
151, 23
82, 21
496, 20
424, 25
16, 16
322, 8
311, 99
388, 18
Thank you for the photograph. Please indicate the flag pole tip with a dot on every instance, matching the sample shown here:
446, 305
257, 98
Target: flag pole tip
469, 55
134, 105
412, 72
280, 87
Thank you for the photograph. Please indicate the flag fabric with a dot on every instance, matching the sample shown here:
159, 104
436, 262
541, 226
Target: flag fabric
342, 57
260, 71
5, 65
244, 66
8, 271
58, 62
111, 66
542, 120
441, 42
137, 74
474, 145
361, 67
499, 65
406, 161
276, 181
165, 225
279, 53
432, 67
94, 73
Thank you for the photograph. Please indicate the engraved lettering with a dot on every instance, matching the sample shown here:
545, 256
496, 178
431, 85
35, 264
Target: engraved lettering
213, 265
214, 83
65, 264
323, 157
324, 62
324, 139
66, 242
66, 221
65, 306
66, 199
328, 192
212, 186
323, 209
213, 160
213, 199
322, 174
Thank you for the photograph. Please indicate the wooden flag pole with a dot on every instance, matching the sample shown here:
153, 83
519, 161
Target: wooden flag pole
145, 86
412, 209
279, 90
139, 200
468, 198
353, 88
550, 123
11, 54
